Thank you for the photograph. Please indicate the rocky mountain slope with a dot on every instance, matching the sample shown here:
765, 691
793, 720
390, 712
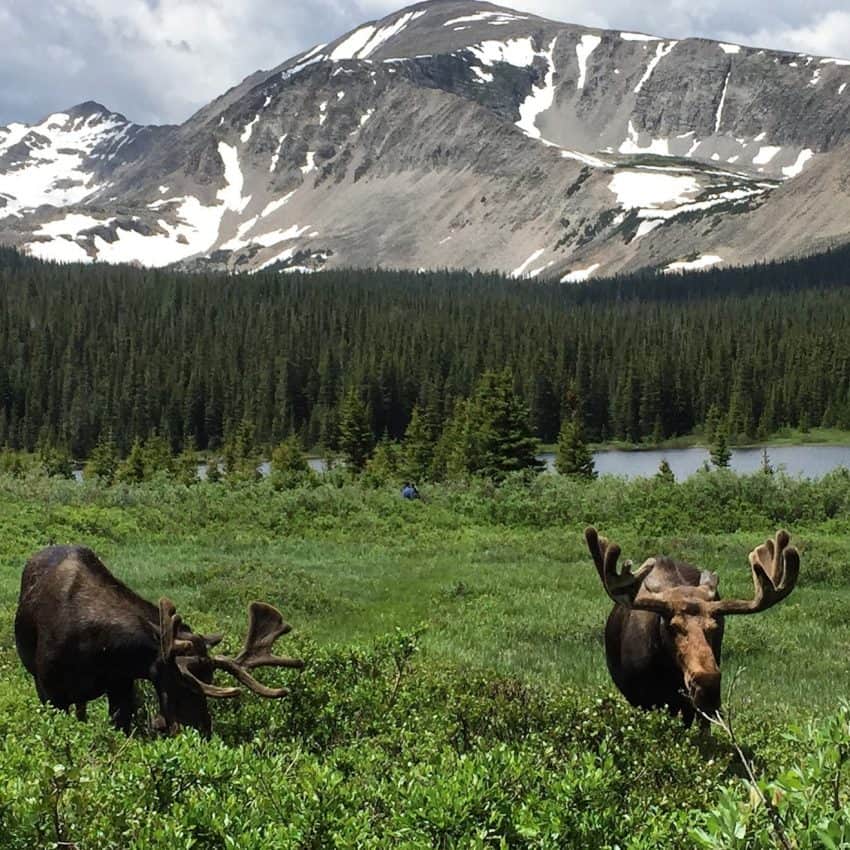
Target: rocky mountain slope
459, 134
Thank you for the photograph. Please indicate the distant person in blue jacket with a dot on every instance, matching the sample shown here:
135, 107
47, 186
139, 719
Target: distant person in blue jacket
409, 491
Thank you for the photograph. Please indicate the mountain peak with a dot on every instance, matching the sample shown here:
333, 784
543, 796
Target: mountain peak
455, 133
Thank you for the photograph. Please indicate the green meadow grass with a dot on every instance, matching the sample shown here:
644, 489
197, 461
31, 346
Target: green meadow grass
509, 670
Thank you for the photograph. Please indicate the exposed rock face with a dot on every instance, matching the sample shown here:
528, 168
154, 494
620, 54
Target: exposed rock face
456, 134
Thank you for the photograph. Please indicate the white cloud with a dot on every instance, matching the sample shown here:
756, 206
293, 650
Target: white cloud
828, 36
159, 60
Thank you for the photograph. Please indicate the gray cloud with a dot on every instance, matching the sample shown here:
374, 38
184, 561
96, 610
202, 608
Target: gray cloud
159, 60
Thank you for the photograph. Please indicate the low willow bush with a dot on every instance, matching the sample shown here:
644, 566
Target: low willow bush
707, 503
370, 750
373, 750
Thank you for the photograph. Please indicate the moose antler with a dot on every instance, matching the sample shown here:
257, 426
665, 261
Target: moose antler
265, 626
169, 625
622, 587
776, 568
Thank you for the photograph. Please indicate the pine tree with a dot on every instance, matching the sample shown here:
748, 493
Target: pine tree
721, 454
497, 430
288, 463
420, 443
187, 463
132, 470
355, 432
157, 456
56, 461
104, 460
384, 466
665, 473
573, 457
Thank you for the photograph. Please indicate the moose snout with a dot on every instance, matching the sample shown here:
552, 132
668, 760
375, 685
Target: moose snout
704, 691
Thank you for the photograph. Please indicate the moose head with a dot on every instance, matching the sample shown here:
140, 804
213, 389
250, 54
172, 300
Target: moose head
663, 639
183, 672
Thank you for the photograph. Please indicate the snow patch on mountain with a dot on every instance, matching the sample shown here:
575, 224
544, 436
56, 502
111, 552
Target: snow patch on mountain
50, 162
581, 275
584, 48
540, 99
362, 43
662, 51
520, 271
704, 261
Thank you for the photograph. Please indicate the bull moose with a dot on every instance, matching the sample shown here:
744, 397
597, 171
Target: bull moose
82, 633
663, 638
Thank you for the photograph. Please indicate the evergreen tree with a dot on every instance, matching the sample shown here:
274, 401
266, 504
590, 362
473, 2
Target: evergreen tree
56, 461
573, 457
186, 465
385, 464
766, 466
665, 473
355, 432
104, 459
721, 454
288, 463
157, 457
420, 443
133, 469
498, 433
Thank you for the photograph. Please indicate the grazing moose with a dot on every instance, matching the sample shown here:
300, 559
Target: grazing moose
82, 633
663, 638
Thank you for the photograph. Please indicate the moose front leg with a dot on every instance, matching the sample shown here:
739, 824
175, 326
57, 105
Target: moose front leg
122, 705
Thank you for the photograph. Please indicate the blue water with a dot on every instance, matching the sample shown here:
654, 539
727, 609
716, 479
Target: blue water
806, 461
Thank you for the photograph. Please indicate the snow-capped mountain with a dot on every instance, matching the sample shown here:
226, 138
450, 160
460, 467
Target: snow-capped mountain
459, 134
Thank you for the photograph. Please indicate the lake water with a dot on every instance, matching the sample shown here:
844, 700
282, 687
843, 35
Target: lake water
806, 461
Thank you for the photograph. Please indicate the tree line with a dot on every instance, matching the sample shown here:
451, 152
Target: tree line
90, 353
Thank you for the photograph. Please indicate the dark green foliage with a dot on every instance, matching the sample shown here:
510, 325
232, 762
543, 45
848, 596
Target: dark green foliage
55, 461
186, 463
573, 457
289, 465
104, 459
132, 470
355, 438
140, 351
490, 434
721, 454
420, 443
665, 473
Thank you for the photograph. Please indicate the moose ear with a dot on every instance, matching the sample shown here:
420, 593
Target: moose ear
212, 640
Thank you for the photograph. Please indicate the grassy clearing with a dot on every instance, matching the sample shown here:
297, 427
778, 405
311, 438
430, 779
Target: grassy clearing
505, 727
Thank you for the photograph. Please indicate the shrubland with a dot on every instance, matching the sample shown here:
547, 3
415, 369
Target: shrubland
456, 693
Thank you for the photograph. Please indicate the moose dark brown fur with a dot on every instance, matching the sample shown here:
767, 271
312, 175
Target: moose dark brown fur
663, 638
82, 633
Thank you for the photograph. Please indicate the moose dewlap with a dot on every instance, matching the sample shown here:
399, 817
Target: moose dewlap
82, 633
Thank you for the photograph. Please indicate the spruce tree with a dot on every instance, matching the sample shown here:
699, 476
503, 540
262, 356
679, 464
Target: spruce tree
420, 442
355, 431
104, 459
56, 461
288, 463
721, 454
498, 429
573, 457
132, 470
665, 473
187, 463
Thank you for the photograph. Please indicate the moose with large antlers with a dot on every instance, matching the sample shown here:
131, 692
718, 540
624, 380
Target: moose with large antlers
82, 633
663, 638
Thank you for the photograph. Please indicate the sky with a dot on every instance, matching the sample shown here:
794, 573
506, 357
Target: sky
157, 61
